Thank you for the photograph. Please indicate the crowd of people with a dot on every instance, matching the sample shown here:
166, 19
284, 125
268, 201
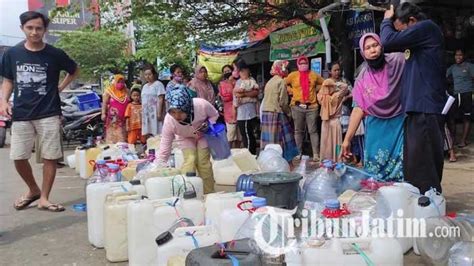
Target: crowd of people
390, 122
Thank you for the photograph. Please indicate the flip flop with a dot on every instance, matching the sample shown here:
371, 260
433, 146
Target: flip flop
53, 207
23, 202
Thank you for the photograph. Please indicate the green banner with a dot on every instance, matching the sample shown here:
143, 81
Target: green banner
297, 40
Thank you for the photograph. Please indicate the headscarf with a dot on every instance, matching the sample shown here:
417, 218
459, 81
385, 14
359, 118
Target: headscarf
203, 88
304, 78
279, 68
179, 99
377, 92
328, 106
118, 95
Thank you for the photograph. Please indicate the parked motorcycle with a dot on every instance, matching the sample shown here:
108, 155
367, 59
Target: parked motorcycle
80, 125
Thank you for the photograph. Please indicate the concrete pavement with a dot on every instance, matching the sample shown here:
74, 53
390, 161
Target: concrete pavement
33, 237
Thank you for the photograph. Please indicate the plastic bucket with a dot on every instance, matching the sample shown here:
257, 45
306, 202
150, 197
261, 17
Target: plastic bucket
280, 189
216, 138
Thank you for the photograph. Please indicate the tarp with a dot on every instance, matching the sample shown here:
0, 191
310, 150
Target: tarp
214, 63
297, 40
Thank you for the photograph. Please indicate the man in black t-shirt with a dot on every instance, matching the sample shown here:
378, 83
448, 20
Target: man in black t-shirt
31, 71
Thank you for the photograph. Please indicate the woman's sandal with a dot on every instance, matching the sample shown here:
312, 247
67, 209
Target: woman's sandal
53, 207
23, 202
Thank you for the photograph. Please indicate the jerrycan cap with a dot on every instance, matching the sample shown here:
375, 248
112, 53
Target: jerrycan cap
258, 202
100, 162
163, 238
332, 204
190, 195
189, 174
135, 182
113, 166
424, 201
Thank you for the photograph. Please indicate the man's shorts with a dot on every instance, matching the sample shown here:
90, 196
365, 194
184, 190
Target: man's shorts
464, 101
24, 134
233, 133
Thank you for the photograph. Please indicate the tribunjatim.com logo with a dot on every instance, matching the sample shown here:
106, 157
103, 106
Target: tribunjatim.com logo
278, 232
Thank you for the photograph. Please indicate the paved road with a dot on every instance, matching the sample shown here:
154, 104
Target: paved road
33, 237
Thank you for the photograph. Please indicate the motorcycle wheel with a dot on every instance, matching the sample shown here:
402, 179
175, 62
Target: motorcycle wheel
3, 136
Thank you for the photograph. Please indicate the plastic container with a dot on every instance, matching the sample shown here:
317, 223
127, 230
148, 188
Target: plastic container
100, 173
216, 137
276, 147
239, 250
115, 225
113, 174
178, 158
88, 101
350, 177
461, 254
346, 251
271, 160
71, 161
280, 189
226, 172
90, 157
183, 241
232, 219
431, 205
95, 198
80, 160
193, 207
109, 152
146, 220
395, 201
435, 250
216, 203
165, 187
244, 160
320, 186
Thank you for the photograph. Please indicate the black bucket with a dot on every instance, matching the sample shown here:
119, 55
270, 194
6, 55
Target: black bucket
280, 189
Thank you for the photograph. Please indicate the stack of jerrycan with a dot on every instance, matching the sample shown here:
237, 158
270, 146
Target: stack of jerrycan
95, 196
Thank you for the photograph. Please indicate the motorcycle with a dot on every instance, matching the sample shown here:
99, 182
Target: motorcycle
80, 125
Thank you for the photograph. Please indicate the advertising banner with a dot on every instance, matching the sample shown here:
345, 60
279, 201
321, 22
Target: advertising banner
359, 23
214, 63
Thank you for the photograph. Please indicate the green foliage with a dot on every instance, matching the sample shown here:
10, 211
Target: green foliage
95, 51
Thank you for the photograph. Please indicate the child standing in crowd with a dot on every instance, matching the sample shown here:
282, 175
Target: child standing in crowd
245, 103
133, 118
153, 97
226, 87
331, 101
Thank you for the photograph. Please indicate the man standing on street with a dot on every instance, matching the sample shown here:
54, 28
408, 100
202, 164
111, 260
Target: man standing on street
31, 71
423, 91
462, 75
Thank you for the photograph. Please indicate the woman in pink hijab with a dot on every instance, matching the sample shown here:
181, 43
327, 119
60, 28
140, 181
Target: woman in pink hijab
377, 100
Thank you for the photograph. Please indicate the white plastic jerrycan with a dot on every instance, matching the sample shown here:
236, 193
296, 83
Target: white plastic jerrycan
80, 159
193, 207
226, 172
95, 198
353, 251
216, 203
244, 160
231, 220
432, 204
183, 240
395, 201
165, 187
146, 220
115, 225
